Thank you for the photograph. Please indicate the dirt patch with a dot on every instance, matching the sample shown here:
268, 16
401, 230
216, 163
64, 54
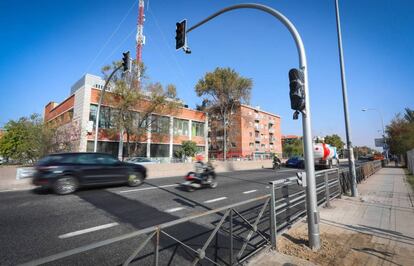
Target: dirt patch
338, 247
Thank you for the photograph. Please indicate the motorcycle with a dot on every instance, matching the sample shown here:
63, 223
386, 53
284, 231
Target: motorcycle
200, 179
276, 165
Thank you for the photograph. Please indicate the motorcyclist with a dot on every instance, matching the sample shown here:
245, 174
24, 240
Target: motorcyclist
276, 161
200, 167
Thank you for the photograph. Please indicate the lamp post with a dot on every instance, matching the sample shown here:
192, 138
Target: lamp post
311, 199
383, 128
351, 159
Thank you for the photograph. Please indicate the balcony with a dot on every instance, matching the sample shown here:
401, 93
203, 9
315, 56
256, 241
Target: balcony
257, 127
257, 139
271, 121
271, 130
256, 117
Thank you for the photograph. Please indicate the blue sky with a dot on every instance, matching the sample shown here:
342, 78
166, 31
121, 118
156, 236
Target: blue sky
48, 45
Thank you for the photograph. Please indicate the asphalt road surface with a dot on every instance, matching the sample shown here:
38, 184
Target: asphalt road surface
37, 224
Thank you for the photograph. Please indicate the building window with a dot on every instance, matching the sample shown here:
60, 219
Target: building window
160, 124
104, 118
251, 145
180, 127
197, 129
251, 134
160, 150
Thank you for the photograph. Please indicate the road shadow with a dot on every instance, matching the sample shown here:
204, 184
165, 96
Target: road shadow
192, 233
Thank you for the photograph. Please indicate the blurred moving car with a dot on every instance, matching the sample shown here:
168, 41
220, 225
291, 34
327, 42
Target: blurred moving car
66, 172
296, 161
141, 160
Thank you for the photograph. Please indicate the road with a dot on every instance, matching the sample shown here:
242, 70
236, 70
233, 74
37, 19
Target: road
36, 224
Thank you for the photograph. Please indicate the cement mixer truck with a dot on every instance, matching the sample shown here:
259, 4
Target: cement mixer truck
325, 156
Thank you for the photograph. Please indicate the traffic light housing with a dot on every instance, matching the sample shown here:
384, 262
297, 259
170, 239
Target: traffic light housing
297, 91
126, 61
180, 34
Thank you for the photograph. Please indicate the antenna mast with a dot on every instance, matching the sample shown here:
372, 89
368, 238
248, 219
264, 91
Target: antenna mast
140, 37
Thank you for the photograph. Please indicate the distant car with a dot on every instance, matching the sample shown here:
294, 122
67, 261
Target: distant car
296, 161
66, 172
141, 160
2, 160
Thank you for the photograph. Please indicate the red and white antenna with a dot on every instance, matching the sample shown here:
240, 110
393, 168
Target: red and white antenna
140, 37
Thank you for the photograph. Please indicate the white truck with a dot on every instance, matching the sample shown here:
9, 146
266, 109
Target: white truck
325, 156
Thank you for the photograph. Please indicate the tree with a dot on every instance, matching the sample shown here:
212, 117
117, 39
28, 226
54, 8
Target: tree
27, 139
223, 90
188, 149
148, 97
400, 134
335, 141
292, 147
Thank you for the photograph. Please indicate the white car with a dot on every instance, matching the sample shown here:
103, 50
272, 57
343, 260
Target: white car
141, 160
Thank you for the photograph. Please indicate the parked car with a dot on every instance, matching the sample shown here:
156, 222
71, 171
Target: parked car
141, 160
295, 161
66, 172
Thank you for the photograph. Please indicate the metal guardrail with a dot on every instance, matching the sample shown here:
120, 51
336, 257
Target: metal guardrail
242, 229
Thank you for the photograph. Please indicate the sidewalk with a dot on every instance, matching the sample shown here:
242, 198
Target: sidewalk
376, 228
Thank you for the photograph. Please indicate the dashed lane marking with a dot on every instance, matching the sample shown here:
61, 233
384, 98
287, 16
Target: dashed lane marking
175, 209
250, 191
88, 230
214, 200
147, 188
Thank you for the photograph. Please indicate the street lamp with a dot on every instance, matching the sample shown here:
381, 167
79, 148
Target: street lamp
383, 128
351, 159
311, 199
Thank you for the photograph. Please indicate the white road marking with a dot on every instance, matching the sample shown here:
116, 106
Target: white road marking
250, 191
175, 209
287, 170
147, 188
214, 200
88, 230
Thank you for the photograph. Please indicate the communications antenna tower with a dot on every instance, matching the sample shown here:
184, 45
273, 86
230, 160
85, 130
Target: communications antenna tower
140, 38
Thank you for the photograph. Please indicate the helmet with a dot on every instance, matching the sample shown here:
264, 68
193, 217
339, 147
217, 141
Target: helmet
199, 157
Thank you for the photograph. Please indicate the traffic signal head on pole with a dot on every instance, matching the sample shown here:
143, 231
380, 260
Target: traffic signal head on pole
297, 91
181, 36
126, 62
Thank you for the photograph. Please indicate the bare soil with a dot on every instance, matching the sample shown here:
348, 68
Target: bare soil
341, 247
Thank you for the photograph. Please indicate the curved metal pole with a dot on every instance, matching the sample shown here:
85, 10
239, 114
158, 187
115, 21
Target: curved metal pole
311, 200
98, 110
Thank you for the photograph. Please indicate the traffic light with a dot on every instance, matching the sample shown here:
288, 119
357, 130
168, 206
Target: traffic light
126, 61
301, 179
180, 34
297, 91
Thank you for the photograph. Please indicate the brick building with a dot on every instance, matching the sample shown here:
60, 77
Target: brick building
77, 114
252, 133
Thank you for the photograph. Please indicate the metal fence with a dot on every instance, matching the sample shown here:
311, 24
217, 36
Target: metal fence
410, 161
231, 234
